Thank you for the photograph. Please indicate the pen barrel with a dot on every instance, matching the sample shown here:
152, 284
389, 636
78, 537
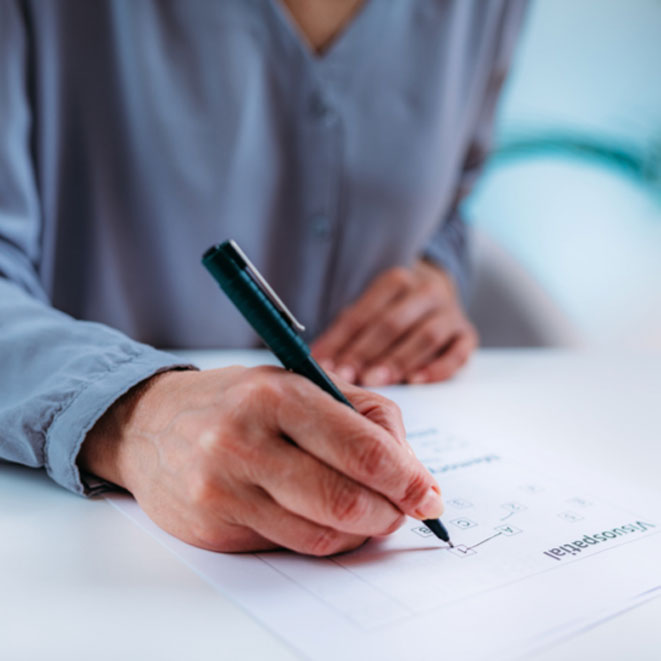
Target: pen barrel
311, 370
256, 308
266, 320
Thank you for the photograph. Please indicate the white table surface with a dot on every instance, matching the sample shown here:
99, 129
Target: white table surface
78, 580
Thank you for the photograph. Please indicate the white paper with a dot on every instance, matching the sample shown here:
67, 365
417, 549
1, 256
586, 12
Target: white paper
536, 560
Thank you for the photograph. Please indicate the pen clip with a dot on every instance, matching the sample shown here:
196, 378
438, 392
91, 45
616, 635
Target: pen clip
267, 289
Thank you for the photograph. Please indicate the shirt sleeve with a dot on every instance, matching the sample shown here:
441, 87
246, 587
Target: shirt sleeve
58, 375
448, 246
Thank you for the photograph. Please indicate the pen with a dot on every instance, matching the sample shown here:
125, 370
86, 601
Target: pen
275, 324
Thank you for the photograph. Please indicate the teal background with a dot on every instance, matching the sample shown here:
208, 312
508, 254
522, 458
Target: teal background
572, 189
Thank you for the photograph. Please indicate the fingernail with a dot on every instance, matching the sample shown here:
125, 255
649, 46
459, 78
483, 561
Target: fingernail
376, 376
431, 506
347, 373
419, 377
327, 364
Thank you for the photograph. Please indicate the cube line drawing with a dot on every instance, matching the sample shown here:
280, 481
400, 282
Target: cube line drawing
508, 530
461, 551
460, 503
423, 531
513, 507
463, 523
570, 516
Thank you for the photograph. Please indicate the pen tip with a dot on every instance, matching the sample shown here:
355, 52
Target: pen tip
450, 543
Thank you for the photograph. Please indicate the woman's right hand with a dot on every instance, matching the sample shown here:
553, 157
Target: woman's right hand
239, 459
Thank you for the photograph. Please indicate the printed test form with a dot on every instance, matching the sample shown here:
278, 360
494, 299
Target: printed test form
535, 560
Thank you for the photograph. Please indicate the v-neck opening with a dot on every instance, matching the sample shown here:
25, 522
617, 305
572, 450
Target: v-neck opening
303, 44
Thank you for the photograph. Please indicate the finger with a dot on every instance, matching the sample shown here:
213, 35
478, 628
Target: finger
203, 522
384, 330
452, 359
380, 410
378, 295
239, 540
357, 447
283, 528
419, 347
304, 486
266, 385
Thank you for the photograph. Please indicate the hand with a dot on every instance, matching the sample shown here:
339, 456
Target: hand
248, 459
407, 327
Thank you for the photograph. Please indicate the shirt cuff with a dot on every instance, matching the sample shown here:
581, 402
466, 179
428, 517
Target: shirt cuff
444, 256
69, 428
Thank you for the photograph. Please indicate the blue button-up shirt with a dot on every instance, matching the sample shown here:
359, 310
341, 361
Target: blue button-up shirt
134, 134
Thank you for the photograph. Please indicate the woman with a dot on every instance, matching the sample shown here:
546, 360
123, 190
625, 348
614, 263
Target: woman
334, 141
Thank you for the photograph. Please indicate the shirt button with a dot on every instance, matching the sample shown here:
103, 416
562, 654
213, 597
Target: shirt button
321, 227
319, 108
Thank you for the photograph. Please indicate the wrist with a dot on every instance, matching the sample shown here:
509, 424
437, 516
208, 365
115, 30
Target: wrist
106, 446
428, 268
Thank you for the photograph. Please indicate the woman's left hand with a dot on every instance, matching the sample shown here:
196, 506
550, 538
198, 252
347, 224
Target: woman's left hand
408, 326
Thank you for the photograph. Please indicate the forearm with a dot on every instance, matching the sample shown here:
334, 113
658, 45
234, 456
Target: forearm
448, 249
58, 377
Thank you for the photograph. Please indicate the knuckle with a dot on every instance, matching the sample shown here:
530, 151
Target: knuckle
261, 387
372, 459
392, 408
299, 387
391, 325
267, 388
416, 489
430, 290
325, 542
432, 334
201, 490
400, 276
348, 504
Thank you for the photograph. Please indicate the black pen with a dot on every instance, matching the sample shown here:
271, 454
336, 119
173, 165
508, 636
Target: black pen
275, 324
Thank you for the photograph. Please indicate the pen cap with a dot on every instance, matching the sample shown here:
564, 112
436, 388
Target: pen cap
230, 271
